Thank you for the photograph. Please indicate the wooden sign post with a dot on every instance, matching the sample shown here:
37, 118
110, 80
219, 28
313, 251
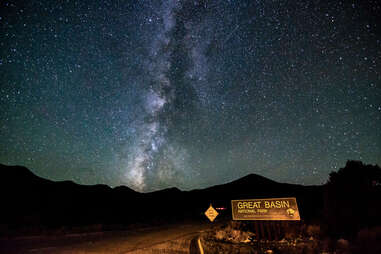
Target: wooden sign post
267, 214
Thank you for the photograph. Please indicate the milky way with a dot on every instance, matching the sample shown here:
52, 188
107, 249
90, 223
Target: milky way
175, 59
156, 94
159, 96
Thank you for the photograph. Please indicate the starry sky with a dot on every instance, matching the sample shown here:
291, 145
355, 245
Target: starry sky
159, 93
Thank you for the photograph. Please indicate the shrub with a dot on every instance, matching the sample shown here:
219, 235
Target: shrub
313, 230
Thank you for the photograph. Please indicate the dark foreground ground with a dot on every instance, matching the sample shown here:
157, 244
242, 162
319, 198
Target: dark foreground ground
43, 216
217, 238
173, 238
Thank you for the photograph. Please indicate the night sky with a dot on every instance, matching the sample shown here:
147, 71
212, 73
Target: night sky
154, 94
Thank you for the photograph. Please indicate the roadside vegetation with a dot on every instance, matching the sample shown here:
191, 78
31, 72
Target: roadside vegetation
350, 221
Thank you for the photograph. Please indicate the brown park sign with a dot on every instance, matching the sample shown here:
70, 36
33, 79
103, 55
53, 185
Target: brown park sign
265, 209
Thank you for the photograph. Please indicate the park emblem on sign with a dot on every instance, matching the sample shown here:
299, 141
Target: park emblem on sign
211, 213
265, 209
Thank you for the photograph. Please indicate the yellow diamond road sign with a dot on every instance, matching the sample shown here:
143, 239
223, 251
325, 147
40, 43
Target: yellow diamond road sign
211, 213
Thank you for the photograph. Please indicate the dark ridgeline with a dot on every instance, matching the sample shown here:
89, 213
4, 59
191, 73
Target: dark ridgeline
32, 203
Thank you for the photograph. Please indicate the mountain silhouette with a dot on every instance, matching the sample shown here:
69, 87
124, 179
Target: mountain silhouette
37, 202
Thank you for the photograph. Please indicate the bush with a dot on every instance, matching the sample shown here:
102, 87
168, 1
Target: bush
233, 232
369, 240
313, 231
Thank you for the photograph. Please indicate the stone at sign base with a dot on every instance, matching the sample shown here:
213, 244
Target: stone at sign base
211, 213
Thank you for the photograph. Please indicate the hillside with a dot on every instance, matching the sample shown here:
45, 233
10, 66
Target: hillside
33, 201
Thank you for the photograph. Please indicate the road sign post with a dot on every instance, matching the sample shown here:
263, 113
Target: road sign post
211, 213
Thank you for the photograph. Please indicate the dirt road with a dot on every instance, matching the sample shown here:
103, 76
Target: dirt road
174, 238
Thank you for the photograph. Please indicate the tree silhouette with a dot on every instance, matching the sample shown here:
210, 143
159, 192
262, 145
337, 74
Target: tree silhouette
352, 199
